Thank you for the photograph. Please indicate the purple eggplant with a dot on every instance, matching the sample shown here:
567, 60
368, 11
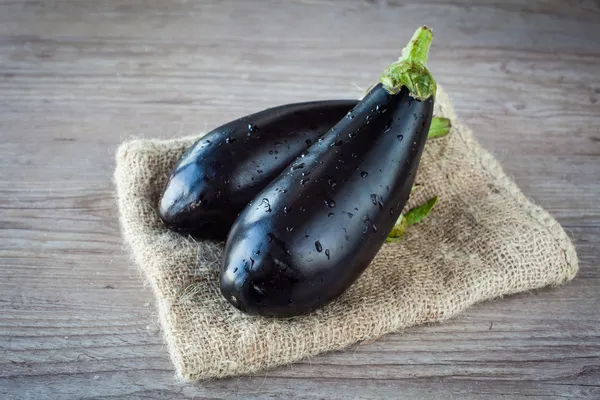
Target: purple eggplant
313, 230
220, 173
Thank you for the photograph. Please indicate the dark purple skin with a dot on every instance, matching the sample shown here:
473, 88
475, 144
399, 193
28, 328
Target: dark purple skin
224, 170
310, 234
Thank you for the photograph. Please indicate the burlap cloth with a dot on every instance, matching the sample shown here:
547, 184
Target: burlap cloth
484, 239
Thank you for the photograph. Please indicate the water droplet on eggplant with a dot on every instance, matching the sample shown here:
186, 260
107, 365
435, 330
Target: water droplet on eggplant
328, 254
364, 174
318, 246
266, 203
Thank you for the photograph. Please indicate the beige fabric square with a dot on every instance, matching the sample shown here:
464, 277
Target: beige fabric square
484, 239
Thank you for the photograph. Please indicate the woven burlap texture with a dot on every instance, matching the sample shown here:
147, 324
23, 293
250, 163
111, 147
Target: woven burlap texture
484, 239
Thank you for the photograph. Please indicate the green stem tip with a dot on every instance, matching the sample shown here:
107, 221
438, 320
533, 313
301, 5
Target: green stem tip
418, 47
410, 69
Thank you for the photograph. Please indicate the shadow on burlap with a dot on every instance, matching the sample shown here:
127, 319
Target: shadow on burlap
484, 239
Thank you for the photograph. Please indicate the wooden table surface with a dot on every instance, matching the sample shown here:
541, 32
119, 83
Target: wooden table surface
79, 77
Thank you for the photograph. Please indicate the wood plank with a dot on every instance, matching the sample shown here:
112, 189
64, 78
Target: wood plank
77, 78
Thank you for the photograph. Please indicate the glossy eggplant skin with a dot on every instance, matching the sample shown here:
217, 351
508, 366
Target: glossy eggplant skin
310, 234
220, 173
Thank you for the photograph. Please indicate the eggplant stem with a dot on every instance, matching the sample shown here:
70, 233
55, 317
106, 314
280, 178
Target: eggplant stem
418, 47
410, 69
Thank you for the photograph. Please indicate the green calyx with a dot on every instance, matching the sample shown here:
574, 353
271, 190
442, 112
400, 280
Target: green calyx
412, 217
439, 127
410, 69
417, 214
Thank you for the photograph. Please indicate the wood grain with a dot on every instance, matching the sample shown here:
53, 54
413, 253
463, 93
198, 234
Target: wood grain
77, 78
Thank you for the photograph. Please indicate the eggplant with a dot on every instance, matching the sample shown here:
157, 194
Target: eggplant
201, 197
220, 173
313, 230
